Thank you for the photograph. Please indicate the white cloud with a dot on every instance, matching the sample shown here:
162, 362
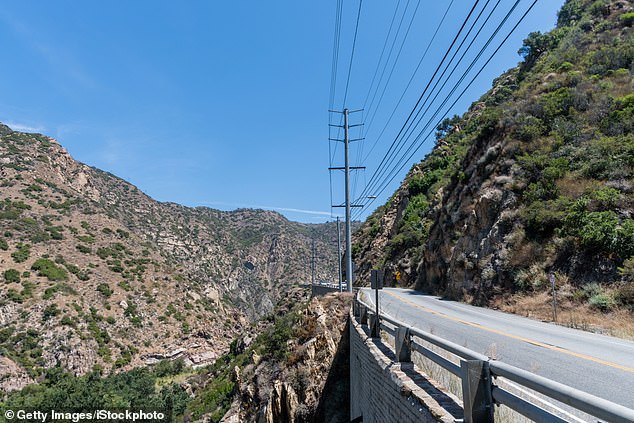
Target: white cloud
280, 209
20, 127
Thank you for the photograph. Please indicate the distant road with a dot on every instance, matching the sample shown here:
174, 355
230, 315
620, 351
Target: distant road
597, 364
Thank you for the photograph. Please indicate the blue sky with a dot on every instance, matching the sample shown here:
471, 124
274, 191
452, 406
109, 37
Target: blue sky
223, 104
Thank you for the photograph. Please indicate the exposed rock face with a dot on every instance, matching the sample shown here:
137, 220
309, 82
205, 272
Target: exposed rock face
282, 404
310, 384
14, 377
122, 279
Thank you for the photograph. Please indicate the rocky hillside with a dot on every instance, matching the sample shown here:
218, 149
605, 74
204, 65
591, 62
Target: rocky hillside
298, 369
290, 367
536, 178
95, 273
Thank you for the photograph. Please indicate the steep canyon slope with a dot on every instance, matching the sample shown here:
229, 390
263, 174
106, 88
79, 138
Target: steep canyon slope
535, 178
94, 272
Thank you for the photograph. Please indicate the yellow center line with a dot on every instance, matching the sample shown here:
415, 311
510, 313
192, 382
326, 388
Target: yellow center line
510, 335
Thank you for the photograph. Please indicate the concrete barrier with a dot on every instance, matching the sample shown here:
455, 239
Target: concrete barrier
383, 390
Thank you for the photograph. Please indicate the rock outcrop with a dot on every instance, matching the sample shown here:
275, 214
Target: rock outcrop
310, 382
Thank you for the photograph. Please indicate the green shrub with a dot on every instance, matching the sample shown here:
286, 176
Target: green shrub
133, 315
565, 67
55, 233
58, 287
27, 289
12, 276
166, 368
416, 209
45, 267
627, 270
4, 246
22, 253
624, 241
537, 44
529, 128
605, 158
274, 340
420, 184
83, 249
541, 218
88, 239
67, 321
50, 311
73, 269
608, 58
598, 229
531, 279
15, 296
570, 12
135, 389
606, 198
556, 103
104, 289
621, 119
600, 9
627, 19
602, 301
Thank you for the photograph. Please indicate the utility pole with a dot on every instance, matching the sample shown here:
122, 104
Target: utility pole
339, 256
347, 168
346, 144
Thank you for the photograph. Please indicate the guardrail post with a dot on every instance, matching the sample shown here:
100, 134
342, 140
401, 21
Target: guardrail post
375, 329
363, 314
476, 391
402, 345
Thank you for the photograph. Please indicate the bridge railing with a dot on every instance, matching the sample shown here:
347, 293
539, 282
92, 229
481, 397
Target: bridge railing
479, 372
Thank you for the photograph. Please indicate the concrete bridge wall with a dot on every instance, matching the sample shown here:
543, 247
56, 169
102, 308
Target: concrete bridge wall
385, 391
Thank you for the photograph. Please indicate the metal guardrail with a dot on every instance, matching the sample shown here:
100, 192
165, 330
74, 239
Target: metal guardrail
477, 371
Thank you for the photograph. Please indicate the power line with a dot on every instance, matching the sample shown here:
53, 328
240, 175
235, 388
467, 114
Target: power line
332, 152
464, 23
419, 116
429, 44
387, 61
384, 186
333, 83
474, 61
335, 54
389, 78
354, 43
398, 55
376, 71
378, 64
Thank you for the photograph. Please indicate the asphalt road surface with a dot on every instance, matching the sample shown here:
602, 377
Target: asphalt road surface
598, 364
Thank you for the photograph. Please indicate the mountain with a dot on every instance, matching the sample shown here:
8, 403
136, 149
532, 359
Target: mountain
96, 274
535, 178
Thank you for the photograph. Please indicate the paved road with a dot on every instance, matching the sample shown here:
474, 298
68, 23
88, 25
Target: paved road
597, 364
